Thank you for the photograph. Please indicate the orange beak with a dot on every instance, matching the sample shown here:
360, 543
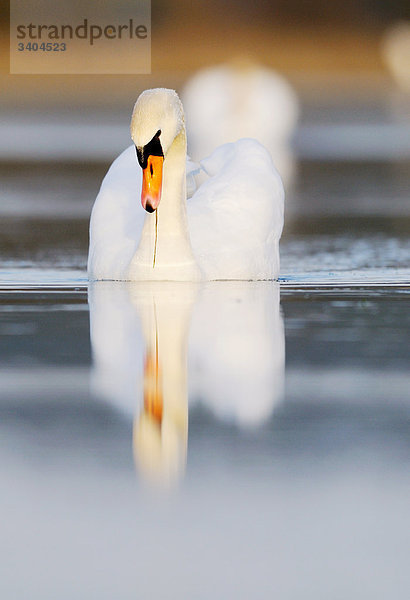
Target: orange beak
152, 183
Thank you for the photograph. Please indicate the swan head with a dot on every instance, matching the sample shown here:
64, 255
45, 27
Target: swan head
157, 119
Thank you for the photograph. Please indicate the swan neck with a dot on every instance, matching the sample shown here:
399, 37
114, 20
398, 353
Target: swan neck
164, 251
173, 200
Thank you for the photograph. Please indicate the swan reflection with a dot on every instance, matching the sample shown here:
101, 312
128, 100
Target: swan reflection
140, 335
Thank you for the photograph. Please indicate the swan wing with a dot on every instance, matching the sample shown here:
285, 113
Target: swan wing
116, 219
236, 216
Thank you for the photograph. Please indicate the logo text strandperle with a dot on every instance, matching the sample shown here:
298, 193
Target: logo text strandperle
84, 31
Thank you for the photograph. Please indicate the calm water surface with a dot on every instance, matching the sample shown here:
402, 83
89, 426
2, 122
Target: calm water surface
224, 440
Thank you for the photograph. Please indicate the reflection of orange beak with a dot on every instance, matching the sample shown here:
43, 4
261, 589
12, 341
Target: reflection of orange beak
153, 399
152, 183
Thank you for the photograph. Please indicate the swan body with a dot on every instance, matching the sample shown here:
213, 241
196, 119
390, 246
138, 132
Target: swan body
229, 229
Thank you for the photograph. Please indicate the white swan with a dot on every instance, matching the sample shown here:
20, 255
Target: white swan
230, 228
241, 99
396, 53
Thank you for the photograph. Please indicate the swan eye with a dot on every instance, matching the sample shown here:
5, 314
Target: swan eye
153, 148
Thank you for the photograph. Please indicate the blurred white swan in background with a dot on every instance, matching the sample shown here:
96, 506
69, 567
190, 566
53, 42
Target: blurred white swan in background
396, 53
241, 99
229, 229
139, 338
